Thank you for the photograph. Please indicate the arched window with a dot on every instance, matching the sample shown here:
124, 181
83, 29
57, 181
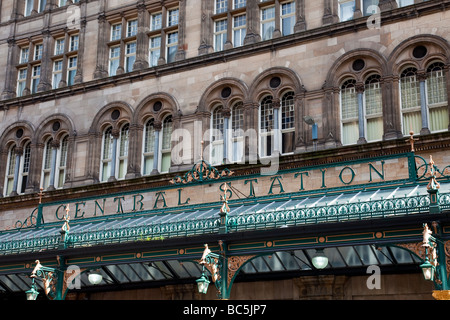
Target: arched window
18, 167
349, 112
277, 128
266, 126
157, 146
107, 151
237, 132
166, 144
437, 97
287, 122
54, 163
217, 139
149, 147
410, 101
114, 154
424, 104
373, 108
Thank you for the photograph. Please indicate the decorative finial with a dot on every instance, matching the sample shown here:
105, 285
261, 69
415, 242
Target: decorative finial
65, 227
433, 184
412, 140
40, 194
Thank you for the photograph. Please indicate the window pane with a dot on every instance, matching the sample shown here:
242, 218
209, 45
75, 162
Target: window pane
439, 118
347, 10
374, 129
239, 30
287, 18
267, 23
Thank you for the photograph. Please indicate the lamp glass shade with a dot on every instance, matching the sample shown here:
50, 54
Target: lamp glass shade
428, 270
95, 278
202, 284
32, 294
320, 261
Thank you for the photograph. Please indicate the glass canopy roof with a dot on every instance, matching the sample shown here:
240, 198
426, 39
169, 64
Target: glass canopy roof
294, 262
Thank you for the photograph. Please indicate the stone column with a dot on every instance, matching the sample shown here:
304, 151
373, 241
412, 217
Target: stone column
10, 83
45, 82
158, 126
101, 70
252, 34
361, 117
142, 38
300, 25
422, 77
328, 16
79, 74
115, 134
276, 126
391, 109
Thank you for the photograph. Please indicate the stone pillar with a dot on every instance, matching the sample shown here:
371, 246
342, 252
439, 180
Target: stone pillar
158, 126
422, 77
252, 34
10, 83
142, 38
361, 118
328, 16
300, 25
226, 135
79, 74
101, 70
45, 82
115, 134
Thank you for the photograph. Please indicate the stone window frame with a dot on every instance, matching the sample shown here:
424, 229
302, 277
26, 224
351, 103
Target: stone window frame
159, 119
28, 65
164, 30
122, 42
68, 52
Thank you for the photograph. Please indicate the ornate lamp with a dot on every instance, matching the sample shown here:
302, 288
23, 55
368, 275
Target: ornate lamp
320, 260
32, 294
203, 283
428, 270
95, 278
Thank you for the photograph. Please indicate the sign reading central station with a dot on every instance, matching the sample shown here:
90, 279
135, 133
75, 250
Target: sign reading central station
303, 180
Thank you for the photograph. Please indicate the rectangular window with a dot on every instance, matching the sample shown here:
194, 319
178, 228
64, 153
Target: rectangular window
221, 6
74, 41
57, 73
24, 52
287, 18
72, 70
116, 32
59, 46
42, 4
403, 3
28, 7
172, 19
370, 7
35, 76
156, 21
239, 4
132, 27
21, 81
172, 46
114, 55
38, 52
239, 30
346, 9
267, 23
220, 34
155, 51
62, 3
130, 56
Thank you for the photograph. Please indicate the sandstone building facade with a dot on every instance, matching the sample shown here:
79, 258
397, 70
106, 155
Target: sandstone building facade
101, 97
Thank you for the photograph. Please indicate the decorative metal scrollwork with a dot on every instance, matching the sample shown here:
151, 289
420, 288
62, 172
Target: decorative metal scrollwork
200, 172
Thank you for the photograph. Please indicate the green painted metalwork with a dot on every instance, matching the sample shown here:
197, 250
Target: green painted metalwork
201, 171
253, 221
